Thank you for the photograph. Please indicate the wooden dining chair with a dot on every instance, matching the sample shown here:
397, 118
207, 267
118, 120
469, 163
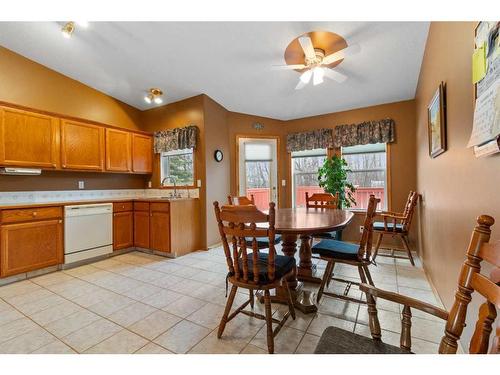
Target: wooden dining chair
262, 242
241, 201
360, 256
397, 224
337, 341
323, 201
251, 269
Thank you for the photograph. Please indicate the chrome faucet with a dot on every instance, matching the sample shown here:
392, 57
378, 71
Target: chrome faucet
173, 179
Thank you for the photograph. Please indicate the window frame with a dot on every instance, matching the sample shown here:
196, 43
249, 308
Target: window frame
160, 173
388, 185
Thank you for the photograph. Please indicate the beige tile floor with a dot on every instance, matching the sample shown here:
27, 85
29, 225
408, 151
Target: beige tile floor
141, 303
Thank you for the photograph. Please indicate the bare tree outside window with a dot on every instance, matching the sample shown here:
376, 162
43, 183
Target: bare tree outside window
305, 165
179, 165
368, 164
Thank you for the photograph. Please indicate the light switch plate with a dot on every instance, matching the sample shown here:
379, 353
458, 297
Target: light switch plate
283, 182
81, 185
149, 184
198, 183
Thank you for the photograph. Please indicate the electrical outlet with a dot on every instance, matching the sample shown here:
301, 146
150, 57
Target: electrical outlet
361, 229
150, 184
283, 182
81, 185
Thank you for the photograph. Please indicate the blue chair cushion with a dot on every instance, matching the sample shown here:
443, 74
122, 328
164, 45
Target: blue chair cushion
336, 249
282, 263
332, 235
263, 242
379, 225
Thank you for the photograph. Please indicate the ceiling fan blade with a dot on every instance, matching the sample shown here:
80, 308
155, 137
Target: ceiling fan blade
305, 78
307, 45
300, 85
334, 75
288, 67
318, 74
339, 55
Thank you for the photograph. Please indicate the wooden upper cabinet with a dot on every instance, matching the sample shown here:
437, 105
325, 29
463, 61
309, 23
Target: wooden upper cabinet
28, 139
82, 146
142, 153
118, 150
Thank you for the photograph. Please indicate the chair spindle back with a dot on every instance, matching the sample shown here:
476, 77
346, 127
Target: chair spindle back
241, 201
365, 245
237, 226
471, 280
322, 200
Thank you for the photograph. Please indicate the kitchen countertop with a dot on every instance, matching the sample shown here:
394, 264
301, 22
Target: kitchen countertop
4, 206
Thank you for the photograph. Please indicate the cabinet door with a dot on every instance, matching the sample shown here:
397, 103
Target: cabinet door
141, 229
123, 230
26, 247
118, 151
160, 231
142, 153
82, 146
28, 139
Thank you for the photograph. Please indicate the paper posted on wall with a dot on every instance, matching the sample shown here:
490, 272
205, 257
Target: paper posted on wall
486, 124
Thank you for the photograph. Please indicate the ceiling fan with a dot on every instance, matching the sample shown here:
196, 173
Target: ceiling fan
316, 63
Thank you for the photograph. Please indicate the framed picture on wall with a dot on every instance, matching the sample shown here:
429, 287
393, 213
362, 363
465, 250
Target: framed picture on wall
436, 119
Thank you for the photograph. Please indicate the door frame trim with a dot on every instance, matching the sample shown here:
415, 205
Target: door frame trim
237, 161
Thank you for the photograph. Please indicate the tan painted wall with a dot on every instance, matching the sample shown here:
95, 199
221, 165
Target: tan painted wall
24, 82
218, 175
179, 114
457, 187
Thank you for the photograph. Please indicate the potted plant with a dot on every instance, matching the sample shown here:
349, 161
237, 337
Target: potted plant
332, 177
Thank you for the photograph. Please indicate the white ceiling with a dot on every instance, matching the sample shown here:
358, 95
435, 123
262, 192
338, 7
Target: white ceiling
229, 61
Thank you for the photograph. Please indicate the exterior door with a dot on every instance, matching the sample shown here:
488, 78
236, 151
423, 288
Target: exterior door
258, 170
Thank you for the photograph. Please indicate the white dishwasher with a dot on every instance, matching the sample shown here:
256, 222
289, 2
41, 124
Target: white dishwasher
88, 231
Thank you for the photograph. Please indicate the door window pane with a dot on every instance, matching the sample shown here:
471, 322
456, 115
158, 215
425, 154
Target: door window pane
368, 164
177, 165
305, 165
258, 182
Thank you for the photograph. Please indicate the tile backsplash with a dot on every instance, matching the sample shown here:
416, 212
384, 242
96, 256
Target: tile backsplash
21, 197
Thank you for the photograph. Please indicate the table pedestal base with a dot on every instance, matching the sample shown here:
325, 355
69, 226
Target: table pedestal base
303, 300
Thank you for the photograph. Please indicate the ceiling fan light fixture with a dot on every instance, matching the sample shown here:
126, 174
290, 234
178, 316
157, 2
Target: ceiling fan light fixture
83, 24
158, 100
318, 74
148, 99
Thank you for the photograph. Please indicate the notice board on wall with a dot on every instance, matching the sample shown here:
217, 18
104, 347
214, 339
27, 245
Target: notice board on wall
485, 137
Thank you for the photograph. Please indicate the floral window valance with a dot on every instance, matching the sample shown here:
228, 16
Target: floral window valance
381, 131
321, 138
176, 139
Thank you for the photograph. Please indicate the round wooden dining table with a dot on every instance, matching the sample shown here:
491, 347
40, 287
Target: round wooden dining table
294, 224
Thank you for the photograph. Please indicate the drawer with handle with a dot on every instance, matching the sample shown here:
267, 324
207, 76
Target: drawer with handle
30, 214
122, 206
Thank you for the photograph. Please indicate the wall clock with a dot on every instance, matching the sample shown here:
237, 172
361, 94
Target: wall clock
218, 156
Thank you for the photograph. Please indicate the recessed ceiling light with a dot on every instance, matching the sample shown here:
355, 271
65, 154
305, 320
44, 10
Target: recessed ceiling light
154, 95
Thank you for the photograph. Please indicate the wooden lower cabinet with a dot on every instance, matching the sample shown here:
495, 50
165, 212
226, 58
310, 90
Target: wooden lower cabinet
159, 228
29, 246
123, 230
141, 229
